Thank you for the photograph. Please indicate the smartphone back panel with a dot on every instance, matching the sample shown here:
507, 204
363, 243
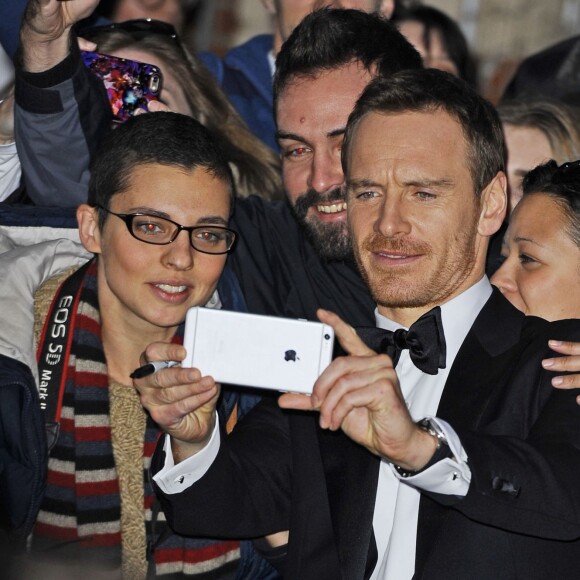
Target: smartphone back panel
257, 351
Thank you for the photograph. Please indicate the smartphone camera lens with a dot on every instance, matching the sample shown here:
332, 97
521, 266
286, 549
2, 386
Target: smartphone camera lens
154, 83
327, 337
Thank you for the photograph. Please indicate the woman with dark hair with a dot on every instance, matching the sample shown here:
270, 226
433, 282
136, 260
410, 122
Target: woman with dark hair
438, 39
156, 230
187, 88
541, 272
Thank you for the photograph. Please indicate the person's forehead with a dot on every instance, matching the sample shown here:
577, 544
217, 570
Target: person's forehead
307, 97
295, 7
430, 122
539, 215
407, 139
149, 179
365, 5
309, 5
527, 145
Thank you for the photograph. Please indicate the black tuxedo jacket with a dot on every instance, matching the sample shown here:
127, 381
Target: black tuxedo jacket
520, 518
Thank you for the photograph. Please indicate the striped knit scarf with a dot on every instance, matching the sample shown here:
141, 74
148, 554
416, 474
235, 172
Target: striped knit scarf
82, 504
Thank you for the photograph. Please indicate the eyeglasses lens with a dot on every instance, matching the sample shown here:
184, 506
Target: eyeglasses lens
157, 230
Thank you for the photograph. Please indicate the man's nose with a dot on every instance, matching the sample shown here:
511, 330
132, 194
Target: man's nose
179, 253
326, 171
393, 219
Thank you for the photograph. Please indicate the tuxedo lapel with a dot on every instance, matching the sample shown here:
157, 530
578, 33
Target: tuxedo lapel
471, 379
476, 373
351, 479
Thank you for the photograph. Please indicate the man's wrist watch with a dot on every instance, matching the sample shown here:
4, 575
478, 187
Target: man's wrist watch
442, 450
433, 428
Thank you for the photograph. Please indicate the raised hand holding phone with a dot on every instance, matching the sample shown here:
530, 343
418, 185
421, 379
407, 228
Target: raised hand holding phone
360, 394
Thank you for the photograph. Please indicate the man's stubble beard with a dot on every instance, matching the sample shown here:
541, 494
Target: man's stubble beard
391, 287
330, 240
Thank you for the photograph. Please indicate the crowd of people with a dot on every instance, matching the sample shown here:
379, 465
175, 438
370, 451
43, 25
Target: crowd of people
346, 170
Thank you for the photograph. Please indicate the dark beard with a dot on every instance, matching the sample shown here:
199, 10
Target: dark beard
331, 241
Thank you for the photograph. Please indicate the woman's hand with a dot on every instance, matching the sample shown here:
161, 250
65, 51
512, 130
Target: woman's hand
569, 363
179, 400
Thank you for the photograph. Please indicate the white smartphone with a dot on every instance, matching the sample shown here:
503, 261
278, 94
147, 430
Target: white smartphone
253, 350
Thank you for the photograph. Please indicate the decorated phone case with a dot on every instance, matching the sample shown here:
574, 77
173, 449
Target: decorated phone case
130, 84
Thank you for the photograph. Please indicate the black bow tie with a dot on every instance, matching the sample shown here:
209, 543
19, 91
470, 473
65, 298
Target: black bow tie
424, 339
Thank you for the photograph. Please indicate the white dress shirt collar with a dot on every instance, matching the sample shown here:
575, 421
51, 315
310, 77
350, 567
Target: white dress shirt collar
457, 316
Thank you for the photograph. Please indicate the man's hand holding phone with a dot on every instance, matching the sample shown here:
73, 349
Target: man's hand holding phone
360, 394
179, 400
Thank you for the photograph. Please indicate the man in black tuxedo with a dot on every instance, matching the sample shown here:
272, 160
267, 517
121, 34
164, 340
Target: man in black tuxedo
449, 457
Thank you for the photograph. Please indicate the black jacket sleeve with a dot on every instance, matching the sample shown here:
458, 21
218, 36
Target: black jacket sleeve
23, 450
281, 273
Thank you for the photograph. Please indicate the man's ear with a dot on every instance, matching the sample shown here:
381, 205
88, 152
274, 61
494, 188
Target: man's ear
493, 205
89, 233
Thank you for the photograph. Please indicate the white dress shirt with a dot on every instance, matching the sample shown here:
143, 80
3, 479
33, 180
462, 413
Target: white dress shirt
397, 502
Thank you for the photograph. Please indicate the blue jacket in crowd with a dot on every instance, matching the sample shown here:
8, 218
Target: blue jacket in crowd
245, 76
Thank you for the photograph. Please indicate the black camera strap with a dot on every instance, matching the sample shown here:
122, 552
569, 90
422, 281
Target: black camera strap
54, 350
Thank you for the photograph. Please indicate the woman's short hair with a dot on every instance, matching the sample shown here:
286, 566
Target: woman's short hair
562, 184
167, 139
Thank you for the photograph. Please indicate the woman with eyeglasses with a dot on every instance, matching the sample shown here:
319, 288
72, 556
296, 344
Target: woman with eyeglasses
156, 225
540, 274
79, 104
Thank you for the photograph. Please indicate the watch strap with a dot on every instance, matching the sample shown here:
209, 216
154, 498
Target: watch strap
443, 451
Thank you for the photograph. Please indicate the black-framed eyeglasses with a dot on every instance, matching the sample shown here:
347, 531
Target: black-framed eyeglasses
138, 28
160, 231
